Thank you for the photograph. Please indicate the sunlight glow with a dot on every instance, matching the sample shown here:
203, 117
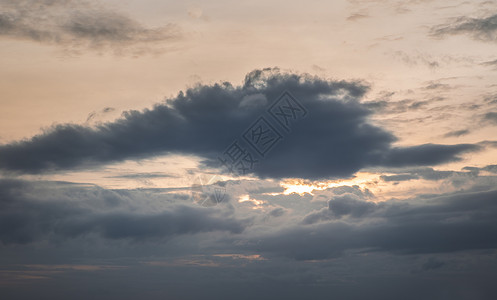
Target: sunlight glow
246, 198
301, 187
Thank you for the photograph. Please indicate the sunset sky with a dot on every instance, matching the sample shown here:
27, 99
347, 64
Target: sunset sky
366, 131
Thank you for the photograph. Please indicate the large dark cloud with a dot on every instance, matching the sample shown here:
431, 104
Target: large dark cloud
434, 224
484, 29
334, 139
37, 211
77, 25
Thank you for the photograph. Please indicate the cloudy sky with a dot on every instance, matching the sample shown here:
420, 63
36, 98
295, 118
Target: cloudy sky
259, 149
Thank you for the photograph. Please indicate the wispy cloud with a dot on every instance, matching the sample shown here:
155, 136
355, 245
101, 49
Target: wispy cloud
457, 133
484, 29
491, 63
357, 16
81, 25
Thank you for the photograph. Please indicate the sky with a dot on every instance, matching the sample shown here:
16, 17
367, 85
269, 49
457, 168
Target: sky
257, 149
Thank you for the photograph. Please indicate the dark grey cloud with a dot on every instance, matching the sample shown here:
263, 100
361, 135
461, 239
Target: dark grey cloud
489, 168
336, 139
484, 29
40, 211
143, 175
277, 212
93, 115
406, 174
492, 144
427, 154
423, 225
431, 174
84, 240
80, 25
401, 177
490, 117
346, 204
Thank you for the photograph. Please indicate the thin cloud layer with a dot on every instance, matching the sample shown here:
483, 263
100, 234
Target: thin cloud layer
490, 117
483, 29
335, 140
77, 25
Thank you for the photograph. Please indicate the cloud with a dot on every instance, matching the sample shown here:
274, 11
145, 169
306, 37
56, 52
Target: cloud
427, 154
347, 204
492, 144
406, 174
36, 211
491, 63
94, 115
401, 177
483, 29
457, 133
357, 16
436, 224
143, 175
80, 25
146, 241
488, 168
415, 59
335, 140
433, 85
277, 212
490, 117
395, 107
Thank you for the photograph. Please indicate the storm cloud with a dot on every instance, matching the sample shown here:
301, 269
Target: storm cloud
335, 139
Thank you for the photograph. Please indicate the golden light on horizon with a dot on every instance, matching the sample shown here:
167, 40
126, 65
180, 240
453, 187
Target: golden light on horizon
301, 187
